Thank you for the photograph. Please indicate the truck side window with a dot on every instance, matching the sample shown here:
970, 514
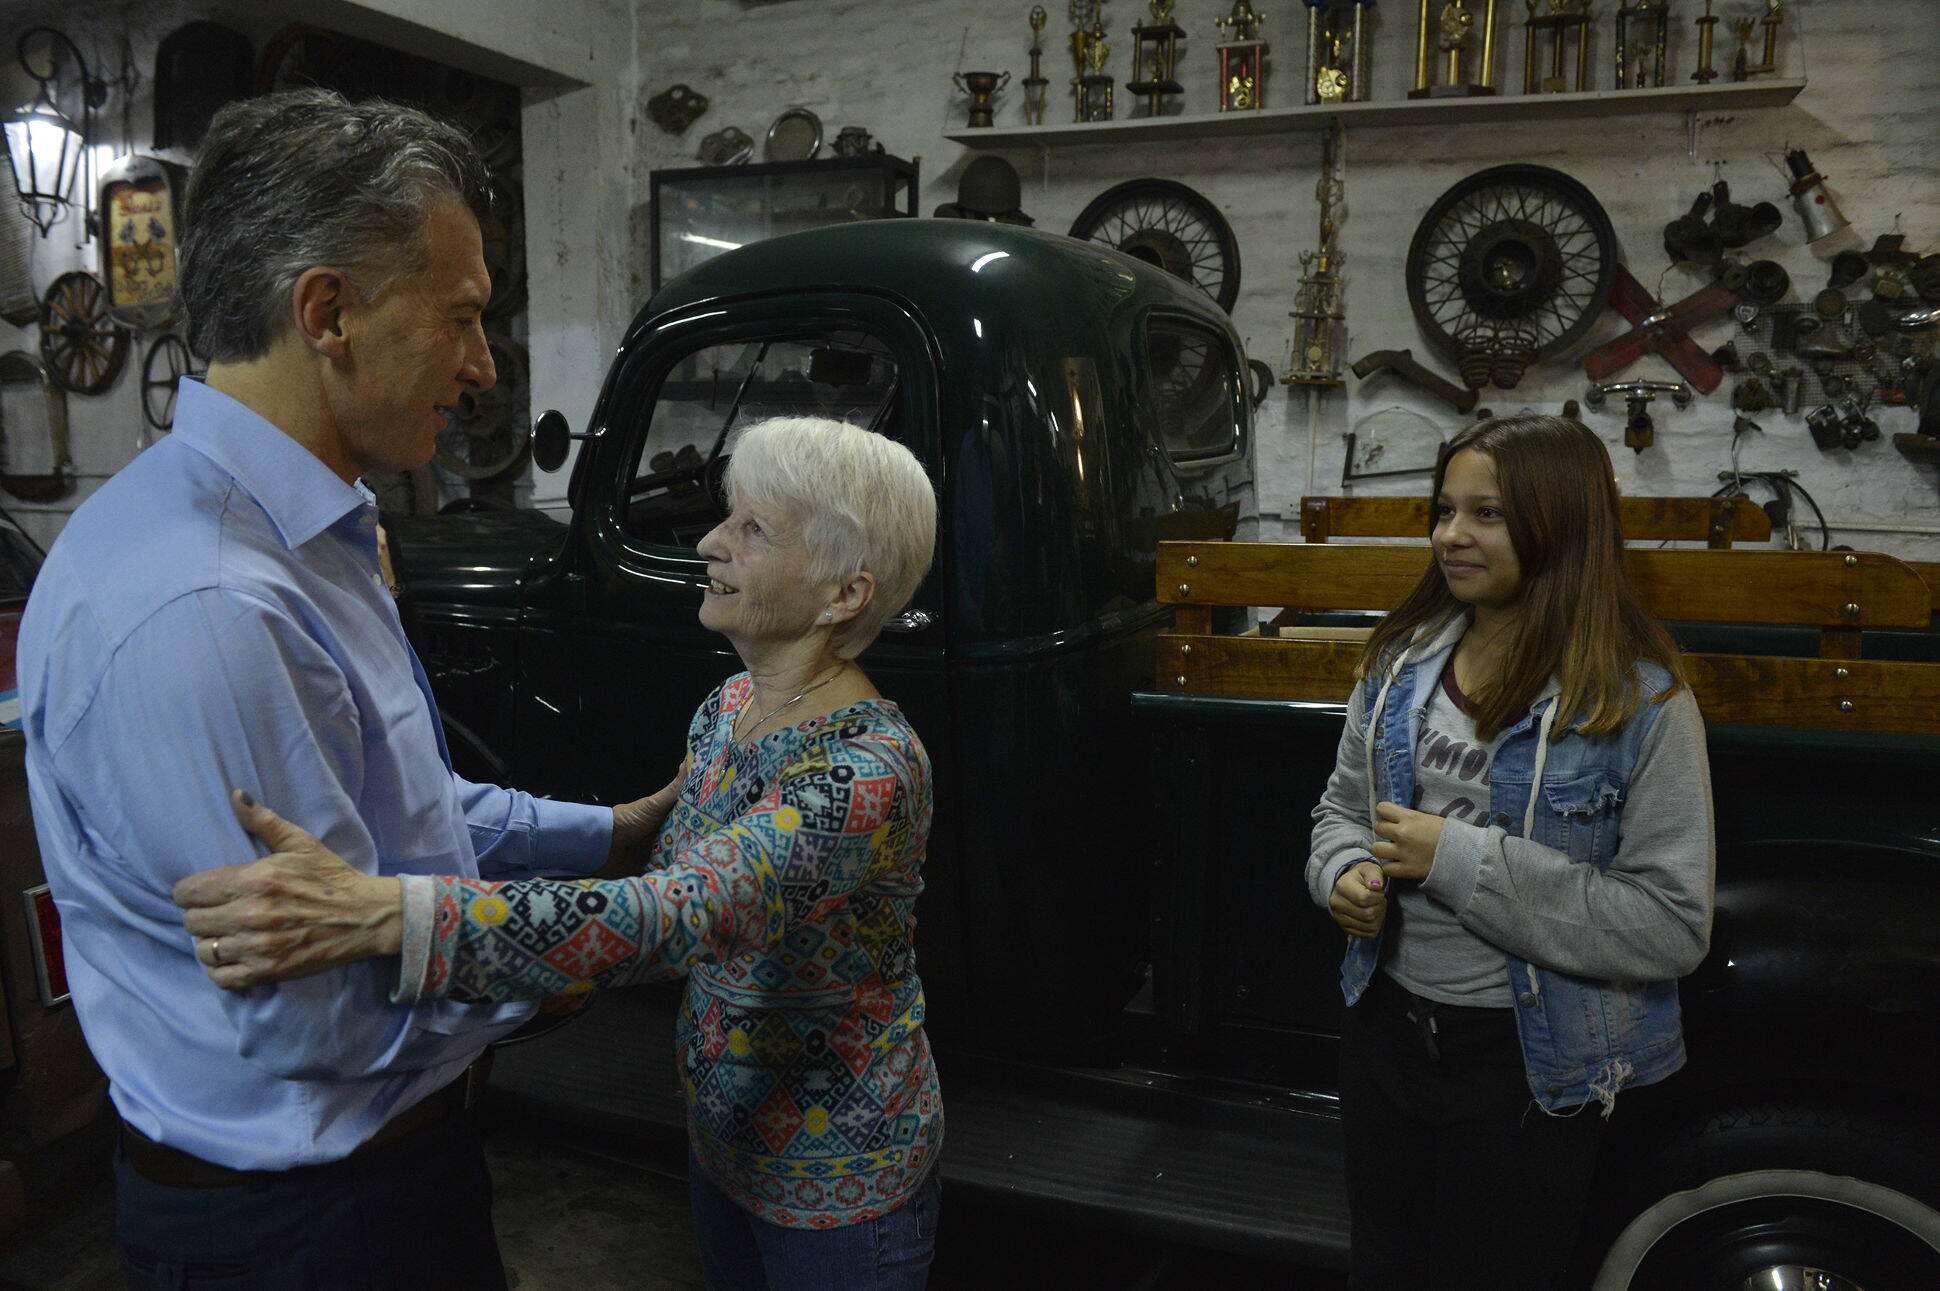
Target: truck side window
1197, 401
675, 494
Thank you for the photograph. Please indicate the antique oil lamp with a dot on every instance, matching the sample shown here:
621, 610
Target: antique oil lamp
1155, 58
1565, 21
1451, 34
1242, 61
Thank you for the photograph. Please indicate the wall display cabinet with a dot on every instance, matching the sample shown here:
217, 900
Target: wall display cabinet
699, 212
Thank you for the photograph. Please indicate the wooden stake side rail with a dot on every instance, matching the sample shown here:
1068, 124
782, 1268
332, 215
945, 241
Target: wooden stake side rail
1750, 690
1846, 590
1717, 522
1838, 592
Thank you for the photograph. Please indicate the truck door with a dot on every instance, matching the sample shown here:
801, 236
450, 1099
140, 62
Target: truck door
614, 647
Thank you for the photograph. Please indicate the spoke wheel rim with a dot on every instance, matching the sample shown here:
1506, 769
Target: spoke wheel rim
81, 344
1165, 223
1520, 252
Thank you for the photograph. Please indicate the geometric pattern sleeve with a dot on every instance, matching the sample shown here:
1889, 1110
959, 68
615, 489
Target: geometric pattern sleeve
834, 815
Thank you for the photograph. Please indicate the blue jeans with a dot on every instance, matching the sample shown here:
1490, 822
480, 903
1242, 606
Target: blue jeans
742, 1253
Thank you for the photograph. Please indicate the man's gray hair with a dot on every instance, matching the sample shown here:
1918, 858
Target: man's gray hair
861, 501
303, 178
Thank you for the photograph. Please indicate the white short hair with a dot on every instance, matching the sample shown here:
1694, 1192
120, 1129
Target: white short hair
860, 501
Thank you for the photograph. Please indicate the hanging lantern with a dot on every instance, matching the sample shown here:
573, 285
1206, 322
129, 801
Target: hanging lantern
45, 143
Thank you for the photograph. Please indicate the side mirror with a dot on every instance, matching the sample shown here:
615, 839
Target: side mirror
550, 439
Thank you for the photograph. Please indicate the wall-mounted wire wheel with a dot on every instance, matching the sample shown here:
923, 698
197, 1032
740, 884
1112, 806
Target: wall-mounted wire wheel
1163, 222
1520, 252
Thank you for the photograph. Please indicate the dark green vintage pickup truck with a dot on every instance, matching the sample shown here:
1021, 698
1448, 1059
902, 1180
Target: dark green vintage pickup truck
1134, 1004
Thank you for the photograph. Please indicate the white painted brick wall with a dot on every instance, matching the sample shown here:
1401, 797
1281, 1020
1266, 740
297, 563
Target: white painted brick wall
1866, 118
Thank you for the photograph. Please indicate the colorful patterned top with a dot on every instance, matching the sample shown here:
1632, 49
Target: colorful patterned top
782, 886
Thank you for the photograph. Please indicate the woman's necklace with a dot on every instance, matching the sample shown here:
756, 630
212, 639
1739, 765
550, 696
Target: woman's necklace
778, 709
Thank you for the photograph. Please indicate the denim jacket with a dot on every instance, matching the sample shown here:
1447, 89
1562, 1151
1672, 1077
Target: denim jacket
1610, 1019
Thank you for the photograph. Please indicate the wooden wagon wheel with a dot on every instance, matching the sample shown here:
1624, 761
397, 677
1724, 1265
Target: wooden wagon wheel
81, 345
168, 361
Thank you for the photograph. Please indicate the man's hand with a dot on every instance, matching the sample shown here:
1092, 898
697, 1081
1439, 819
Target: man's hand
1408, 840
1359, 903
636, 822
298, 911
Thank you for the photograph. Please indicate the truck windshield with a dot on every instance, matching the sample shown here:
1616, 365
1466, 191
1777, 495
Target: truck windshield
675, 496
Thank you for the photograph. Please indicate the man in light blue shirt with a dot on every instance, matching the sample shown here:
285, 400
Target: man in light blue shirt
214, 618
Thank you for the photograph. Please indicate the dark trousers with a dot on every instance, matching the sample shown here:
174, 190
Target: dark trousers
415, 1215
1455, 1177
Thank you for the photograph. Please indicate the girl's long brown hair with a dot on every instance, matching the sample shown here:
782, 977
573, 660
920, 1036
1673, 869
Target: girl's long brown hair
1578, 620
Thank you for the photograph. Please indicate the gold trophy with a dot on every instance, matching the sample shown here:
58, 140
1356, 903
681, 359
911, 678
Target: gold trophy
1035, 83
1707, 31
1095, 86
1088, 27
1566, 20
1242, 61
1155, 58
1336, 51
1742, 68
980, 86
1454, 30
1645, 54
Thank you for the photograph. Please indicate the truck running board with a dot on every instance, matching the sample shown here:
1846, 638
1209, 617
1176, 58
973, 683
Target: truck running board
1184, 1161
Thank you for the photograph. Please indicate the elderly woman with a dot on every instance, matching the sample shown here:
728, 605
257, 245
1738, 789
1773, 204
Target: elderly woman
789, 857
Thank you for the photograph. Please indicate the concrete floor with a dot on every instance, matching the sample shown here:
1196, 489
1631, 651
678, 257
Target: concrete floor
577, 1213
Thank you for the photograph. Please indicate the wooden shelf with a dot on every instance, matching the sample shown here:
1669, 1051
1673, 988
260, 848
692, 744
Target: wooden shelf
1391, 112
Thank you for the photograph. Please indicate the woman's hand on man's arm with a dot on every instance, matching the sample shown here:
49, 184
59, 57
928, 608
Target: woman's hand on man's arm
299, 911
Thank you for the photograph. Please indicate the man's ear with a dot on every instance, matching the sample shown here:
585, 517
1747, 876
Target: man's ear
317, 306
852, 597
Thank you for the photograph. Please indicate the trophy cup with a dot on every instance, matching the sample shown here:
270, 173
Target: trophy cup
1454, 29
1653, 19
1566, 20
1035, 83
1331, 28
980, 86
1155, 58
1242, 61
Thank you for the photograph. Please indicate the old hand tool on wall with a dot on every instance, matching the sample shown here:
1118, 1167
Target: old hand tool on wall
1639, 432
1402, 364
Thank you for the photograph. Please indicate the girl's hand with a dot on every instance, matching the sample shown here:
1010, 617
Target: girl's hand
1408, 840
1359, 903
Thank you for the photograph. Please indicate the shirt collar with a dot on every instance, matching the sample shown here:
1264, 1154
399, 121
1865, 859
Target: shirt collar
301, 495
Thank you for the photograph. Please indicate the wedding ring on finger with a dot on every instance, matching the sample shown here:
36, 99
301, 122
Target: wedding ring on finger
215, 950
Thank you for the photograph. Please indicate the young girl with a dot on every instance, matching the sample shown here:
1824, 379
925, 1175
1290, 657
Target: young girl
1517, 839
